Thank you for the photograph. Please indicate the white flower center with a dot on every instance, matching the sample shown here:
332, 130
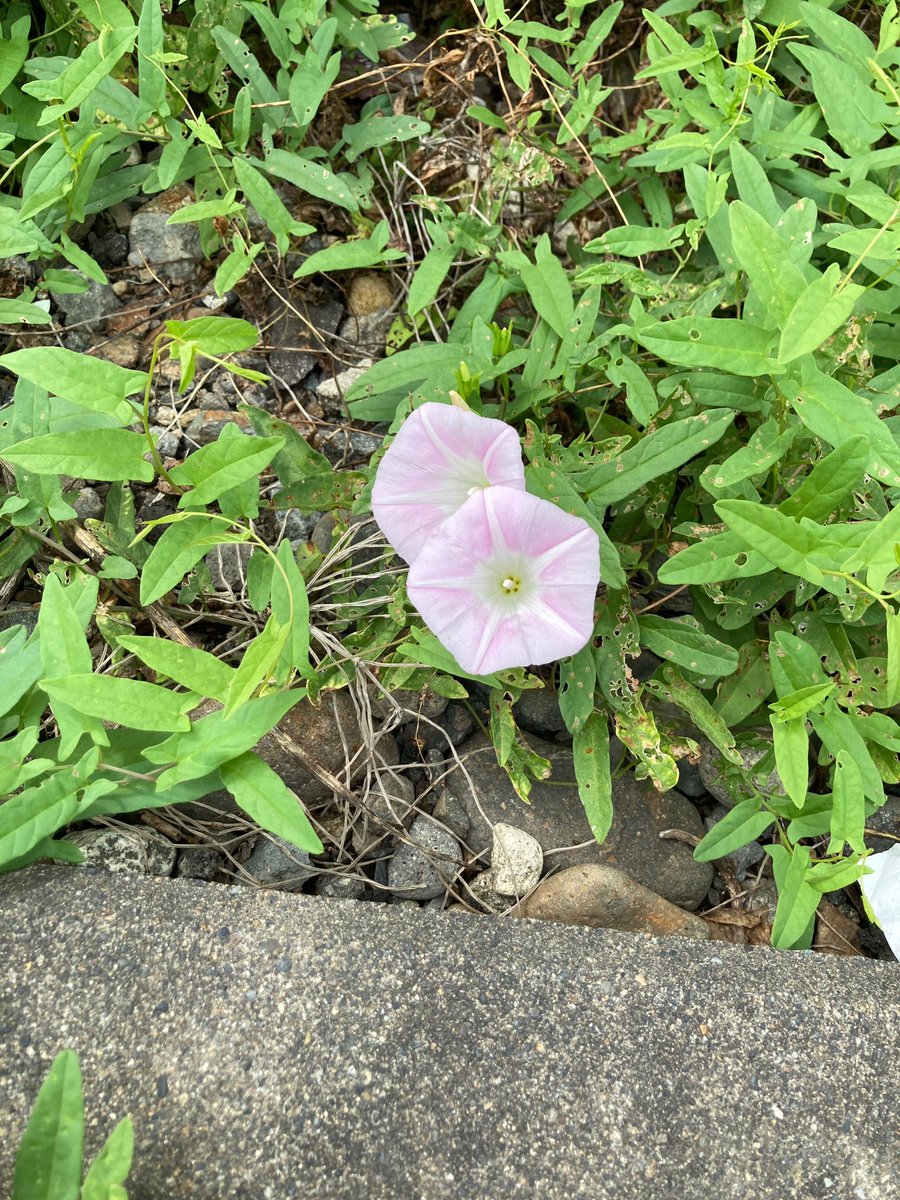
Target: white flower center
511, 584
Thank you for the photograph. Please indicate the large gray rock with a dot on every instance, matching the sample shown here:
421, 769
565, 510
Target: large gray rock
426, 863
171, 251
280, 1045
555, 818
89, 307
309, 736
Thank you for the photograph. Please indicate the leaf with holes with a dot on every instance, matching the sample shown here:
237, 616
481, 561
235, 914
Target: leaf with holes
675, 640
577, 680
720, 342
848, 811
590, 747
663, 450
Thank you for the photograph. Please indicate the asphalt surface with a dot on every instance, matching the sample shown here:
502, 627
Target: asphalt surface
275, 1046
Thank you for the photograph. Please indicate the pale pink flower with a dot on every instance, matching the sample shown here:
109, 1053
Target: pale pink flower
440, 457
508, 581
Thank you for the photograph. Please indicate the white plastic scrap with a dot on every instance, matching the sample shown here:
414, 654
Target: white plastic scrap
881, 890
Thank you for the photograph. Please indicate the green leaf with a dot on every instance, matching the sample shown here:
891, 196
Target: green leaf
56, 849
640, 397
193, 668
215, 336
262, 794
113, 13
115, 567
753, 186
223, 464
206, 210
637, 731
765, 448
178, 551
378, 131
848, 812
549, 288
878, 551
214, 739
290, 607
797, 902
354, 255
94, 383
853, 111
83, 76
826, 877
577, 678
676, 690
663, 450
310, 83
245, 66
405, 370
260, 193
718, 342
123, 701
63, 647
834, 413
633, 241
110, 1168
892, 684
830, 481
14, 51
742, 824
838, 733
312, 178
38, 812
798, 703
821, 309
713, 560
595, 35
151, 77
778, 538
103, 454
22, 312
487, 117
48, 1161
82, 261
674, 640
322, 491
792, 757
592, 772
763, 256
257, 664
297, 460
502, 725
430, 275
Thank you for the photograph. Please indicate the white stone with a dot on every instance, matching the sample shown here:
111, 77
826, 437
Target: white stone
516, 861
120, 850
337, 388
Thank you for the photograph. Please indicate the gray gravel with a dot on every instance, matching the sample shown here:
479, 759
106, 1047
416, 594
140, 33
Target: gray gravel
271, 1045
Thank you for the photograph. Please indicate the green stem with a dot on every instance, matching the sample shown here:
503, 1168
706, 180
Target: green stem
145, 417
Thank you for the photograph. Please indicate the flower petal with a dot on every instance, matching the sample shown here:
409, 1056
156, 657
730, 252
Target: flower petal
438, 456
882, 890
503, 538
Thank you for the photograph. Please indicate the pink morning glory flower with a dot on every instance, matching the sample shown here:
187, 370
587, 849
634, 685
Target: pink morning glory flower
508, 581
440, 457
